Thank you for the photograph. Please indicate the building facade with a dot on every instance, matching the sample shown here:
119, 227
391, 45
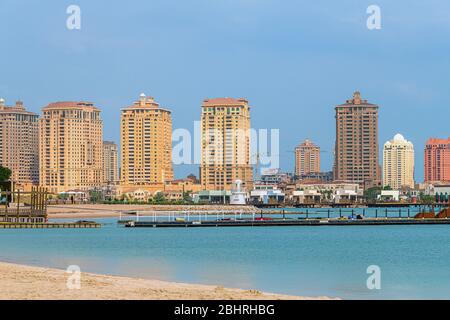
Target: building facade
146, 143
327, 192
307, 158
437, 160
70, 146
398, 163
318, 177
19, 144
110, 162
356, 147
275, 177
225, 145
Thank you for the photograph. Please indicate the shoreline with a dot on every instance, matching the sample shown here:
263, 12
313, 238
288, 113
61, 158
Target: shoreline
23, 282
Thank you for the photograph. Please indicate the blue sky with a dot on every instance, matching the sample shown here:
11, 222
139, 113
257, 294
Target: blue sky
294, 61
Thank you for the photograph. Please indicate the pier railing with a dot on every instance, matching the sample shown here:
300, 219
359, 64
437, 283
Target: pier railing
370, 212
285, 214
191, 215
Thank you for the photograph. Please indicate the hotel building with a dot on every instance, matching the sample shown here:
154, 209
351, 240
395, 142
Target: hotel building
356, 147
110, 162
146, 143
307, 158
398, 163
225, 145
19, 144
70, 146
437, 160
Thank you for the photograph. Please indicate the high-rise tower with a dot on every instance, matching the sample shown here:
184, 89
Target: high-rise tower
110, 162
398, 163
146, 143
70, 146
437, 160
307, 158
356, 153
225, 145
19, 144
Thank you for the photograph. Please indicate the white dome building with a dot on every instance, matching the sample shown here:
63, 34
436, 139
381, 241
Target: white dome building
398, 163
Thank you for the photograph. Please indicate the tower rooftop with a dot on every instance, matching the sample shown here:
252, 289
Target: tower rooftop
224, 102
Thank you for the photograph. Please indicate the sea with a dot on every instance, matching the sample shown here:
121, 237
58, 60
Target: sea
348, 262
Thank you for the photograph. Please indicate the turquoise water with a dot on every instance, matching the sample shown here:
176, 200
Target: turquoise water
312, 261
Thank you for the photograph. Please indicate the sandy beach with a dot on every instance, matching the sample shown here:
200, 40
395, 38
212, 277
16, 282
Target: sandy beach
36, 283
86, 211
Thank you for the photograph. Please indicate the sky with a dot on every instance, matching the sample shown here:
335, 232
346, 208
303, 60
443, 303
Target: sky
293, 60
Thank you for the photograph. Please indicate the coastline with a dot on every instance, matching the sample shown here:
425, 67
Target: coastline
38, 283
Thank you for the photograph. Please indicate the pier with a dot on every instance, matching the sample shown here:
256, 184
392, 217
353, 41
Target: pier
28, 210
309, 217
24, 207
49, 225
288, 222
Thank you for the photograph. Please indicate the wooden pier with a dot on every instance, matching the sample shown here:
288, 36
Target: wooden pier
49, 225
28, 210
24, 207
287, 222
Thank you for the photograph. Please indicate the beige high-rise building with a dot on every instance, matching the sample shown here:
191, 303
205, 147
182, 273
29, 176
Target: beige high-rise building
70, 146
19, 144
146, 143
307, 158
398, 163
110, 162
356, 147
225, 145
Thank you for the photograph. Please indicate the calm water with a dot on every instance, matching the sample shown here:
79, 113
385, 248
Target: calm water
414, 260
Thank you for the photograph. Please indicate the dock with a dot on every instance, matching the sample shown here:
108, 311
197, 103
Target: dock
287, 222
49, 225
24, 207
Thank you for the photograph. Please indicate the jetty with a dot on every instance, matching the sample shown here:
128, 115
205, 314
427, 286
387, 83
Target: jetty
287, 222
338, 217
50, 225
28, 210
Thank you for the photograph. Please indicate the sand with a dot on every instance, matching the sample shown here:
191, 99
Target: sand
36, 283
86, 211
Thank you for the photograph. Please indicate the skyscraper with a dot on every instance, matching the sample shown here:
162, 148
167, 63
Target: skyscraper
356, 147
307, 158
225, 145
19, 143
398, 163
437, 160
70, 146
110, 162
146, 143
